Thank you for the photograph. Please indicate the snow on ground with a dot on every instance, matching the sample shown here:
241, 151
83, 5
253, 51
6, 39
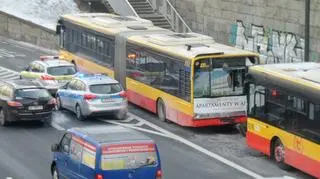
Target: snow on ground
42, 12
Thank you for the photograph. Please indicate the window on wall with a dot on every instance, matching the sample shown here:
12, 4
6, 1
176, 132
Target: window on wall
162, 72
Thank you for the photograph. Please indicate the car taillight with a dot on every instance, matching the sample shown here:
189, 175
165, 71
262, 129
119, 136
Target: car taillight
123, 94
89, 96
52, 101
14, 104
99, 176
47, 77
159, 174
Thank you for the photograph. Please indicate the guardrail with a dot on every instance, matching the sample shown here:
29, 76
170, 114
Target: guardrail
174, 18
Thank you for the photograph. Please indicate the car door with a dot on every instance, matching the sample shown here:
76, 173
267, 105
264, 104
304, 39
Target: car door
33, 71
78, 92
66, 95
75, 158
62, 156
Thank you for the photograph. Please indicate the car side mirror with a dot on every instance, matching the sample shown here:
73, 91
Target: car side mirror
65, 86
55, 148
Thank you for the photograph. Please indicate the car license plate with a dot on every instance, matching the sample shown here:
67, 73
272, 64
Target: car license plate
62, 82
106, 100
35, 108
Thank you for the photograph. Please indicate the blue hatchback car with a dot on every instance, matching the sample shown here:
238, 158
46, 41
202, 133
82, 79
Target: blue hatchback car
104, 153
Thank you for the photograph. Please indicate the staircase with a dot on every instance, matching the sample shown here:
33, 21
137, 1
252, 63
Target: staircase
144, 9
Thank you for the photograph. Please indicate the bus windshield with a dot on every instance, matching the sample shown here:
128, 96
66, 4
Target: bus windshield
219, 77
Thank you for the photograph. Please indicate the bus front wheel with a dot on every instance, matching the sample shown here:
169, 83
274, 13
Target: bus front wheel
279, 154
161, 110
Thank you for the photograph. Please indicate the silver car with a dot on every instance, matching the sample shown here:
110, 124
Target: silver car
93, 95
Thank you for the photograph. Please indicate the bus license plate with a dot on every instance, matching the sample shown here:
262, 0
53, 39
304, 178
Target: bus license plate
35, 108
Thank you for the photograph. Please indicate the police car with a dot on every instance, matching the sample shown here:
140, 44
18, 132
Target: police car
93, 95
52, 71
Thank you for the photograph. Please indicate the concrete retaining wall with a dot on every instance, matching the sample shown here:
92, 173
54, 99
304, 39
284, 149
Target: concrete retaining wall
274, 28
26, 31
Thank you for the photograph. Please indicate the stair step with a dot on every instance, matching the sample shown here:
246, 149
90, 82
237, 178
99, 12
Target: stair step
144, 11
142, 8
137, 1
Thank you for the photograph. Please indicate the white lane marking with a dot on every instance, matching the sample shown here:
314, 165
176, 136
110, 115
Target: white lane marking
136, 128
9, 178
199, 148
8, 76
57, 126
7, 69
4, 72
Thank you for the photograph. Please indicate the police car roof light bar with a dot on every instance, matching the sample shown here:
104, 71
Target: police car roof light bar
48, 57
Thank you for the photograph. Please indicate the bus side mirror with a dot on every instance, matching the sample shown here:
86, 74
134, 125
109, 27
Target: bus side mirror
58, 29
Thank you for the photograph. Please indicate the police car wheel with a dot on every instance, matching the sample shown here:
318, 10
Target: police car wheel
59, 106
55, 174
79, 113
121, 115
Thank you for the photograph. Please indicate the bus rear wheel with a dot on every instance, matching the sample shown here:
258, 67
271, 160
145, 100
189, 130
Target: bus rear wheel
161, 110
279, 154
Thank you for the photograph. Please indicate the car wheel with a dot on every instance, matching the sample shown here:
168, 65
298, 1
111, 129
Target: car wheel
161, 110
79, 113
55, 174
59, 104
20, 77
279, 154
3, 118
48, 121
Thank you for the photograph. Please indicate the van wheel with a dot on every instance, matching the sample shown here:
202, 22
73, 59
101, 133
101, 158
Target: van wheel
55, 174
161, 110
279, 155
3, 118
79, 115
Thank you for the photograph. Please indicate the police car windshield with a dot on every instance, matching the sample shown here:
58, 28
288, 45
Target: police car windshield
105, 88
61, 70
33, 93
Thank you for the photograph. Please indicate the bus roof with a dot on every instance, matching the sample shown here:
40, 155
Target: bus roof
111, 24
300, 78
187, 45
143, 33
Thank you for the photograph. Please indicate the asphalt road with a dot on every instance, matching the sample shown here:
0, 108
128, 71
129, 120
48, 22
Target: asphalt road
25, 147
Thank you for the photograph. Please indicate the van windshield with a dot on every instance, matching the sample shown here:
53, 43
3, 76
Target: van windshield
127, 156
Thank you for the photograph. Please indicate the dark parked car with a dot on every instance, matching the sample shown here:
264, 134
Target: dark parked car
25, 100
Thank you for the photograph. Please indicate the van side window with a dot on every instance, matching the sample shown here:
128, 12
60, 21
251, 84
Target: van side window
75, 150
65, 143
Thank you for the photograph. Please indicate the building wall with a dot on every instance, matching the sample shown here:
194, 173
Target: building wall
22, 30
274, 28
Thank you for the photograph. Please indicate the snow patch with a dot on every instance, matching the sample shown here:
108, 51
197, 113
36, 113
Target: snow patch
42, 12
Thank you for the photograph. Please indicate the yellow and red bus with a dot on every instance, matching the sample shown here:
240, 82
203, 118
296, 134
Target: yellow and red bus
187, 78
284, 117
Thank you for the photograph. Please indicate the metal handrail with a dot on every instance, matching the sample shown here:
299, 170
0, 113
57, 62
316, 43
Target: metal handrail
176, 14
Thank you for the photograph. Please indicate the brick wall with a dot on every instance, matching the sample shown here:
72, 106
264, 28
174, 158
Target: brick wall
274, 28
22, 30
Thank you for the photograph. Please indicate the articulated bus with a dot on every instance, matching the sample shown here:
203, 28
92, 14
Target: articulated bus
284, 121
186, 78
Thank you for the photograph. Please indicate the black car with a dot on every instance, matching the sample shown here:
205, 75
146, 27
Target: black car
25, 100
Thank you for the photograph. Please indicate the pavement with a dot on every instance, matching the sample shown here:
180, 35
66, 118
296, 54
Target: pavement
188, 153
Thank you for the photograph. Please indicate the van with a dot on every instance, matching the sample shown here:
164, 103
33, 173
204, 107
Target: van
104, 153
